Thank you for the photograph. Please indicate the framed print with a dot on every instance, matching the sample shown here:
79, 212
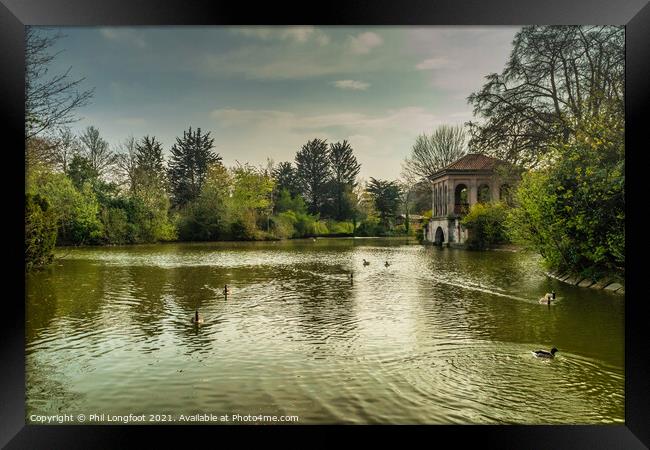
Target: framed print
373, 215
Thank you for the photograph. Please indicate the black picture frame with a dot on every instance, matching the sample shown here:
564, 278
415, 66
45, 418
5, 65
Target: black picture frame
15, 14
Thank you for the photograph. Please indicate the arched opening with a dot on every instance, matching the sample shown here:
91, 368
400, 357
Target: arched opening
461, 202
483, 193
440, 236
505, 193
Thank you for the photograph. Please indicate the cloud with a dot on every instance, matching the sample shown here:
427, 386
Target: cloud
435, 63
123, 35
364, 42
408, 120
458, 58
352, 84
298, 34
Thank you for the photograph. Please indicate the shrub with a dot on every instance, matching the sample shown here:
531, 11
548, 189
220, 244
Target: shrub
486, 225
40, 231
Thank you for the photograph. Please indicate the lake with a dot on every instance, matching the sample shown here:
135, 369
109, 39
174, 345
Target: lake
440, 336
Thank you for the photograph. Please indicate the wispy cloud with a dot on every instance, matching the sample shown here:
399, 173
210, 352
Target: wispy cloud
124, 36
364, 42
352, 84
300, 34
407, 119
435, 63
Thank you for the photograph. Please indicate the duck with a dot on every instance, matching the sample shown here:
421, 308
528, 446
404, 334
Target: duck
545, 354
226, 290
366, 263
197, 319
386, 264
546, 300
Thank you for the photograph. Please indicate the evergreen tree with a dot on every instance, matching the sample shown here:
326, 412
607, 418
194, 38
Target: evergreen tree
191, 157
313, 171
345, 169
149, 156
386, 197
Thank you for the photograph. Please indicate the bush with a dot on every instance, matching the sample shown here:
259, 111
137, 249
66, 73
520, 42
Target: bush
40, 231
486, 223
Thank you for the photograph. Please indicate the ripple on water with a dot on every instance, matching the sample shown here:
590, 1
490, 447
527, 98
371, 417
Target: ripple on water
436, 337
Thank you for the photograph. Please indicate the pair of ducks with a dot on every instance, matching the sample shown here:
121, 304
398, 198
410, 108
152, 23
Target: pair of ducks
197, 319
367, 263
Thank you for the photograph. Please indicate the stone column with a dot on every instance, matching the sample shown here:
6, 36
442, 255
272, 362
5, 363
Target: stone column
473, 192
495, 190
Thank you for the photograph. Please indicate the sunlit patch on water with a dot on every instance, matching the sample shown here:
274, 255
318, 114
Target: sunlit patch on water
439, 336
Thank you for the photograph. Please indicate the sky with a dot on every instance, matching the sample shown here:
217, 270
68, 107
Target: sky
263, 92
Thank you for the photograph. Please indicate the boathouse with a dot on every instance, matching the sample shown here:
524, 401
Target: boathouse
470, 179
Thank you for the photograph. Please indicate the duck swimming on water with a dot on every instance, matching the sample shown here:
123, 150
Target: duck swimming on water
386, 264
366, 263
545, 354
546, 300
197, 319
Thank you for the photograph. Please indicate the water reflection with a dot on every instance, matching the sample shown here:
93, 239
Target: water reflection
438, 336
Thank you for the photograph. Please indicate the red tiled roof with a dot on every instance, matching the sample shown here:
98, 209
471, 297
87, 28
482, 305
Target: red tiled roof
474, 161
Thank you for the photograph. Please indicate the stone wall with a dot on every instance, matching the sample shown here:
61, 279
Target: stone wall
608, 284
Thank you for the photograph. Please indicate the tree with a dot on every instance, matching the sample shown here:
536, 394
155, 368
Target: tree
386, 197
127, 164
431, 153
149, 157
40, 231
208, 217
50, 100
345, 169
557, 77
313, 171
285, 177
81, 171
191, 156
573, 211
96, 151
66, 145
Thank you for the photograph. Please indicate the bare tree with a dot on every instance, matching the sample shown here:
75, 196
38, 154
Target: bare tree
49, 99
97, 151
430, 153
557, 78
126, 161
66, 145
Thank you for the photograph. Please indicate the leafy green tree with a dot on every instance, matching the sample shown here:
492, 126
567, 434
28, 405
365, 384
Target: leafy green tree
208, 217
251, 200
345, 169
81, 171
76, 211
386, 198
40, 231
191, 156
573, 210
313, 169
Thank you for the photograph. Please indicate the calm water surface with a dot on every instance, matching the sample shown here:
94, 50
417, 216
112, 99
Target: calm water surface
440, 336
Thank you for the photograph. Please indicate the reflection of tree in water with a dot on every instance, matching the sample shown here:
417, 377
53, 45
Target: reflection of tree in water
46, 395
41, 303
325, 297
146, 286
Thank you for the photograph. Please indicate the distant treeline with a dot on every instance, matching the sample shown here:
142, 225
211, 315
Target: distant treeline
81, 192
